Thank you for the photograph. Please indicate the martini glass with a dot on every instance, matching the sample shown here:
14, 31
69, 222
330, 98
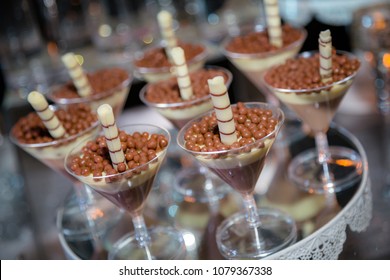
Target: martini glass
194, 184
89, 216
255, 232
129, 190
152, 65
253, 63
111, 86
324, 169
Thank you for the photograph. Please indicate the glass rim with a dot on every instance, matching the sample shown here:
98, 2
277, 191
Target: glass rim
184, 102
93, 97
235, 55
280, 116
80, 144
315, 89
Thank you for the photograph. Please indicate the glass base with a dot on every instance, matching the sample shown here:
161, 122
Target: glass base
345, 167
77, 230
165, 243
197, 184
237, 239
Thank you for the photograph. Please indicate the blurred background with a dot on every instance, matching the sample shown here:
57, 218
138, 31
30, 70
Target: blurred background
35, 33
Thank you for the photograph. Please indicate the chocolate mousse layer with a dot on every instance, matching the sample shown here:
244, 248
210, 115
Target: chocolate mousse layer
75, 119
157, 57
303, 72
258, 42
103, 82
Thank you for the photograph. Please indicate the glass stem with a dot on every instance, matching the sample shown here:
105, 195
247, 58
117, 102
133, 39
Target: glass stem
251, 210
323, 159
253, 218
141, 234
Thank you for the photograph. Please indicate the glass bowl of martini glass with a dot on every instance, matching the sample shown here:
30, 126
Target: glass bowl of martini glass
89, 216
109, 86
297, 83
152, 64
253, 233
195, 183
145, 148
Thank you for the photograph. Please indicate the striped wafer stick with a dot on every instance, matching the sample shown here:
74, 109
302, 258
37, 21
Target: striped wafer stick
168, 34
325, 47
223, 110
77, 74
111, 133
273, 22
50, 120
181, 70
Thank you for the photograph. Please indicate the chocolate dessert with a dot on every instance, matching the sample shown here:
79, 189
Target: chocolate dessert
240, 163
157, 57
31, 135
165, 96
258, 42
109, 85
141, 151
298, 84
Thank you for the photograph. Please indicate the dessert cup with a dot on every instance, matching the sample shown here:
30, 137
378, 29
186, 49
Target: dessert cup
195, 183
324, 169
252, 65
87, 215
255, 232
115, 94
152, 74
128, 191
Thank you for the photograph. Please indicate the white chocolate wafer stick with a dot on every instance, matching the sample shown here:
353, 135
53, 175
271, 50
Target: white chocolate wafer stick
168, 34
223, 110
111, 133
273, 22
50, 120
77, 74
325, 47
181, 70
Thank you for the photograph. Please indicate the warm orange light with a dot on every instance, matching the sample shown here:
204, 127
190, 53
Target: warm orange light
345, 162
379, 21
97, 213
52, 49
386, 60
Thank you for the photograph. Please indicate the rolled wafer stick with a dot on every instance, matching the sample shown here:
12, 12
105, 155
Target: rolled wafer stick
77, 74
273, 22
166, 28
325, 48
181, 70
111, 133
223, 110
50, 120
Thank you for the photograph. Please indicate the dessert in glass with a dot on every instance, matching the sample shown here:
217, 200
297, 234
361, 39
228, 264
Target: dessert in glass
165, 98
154, 64
89, 216
106, 85
125, 176
252, 53
300, 85
253, 233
